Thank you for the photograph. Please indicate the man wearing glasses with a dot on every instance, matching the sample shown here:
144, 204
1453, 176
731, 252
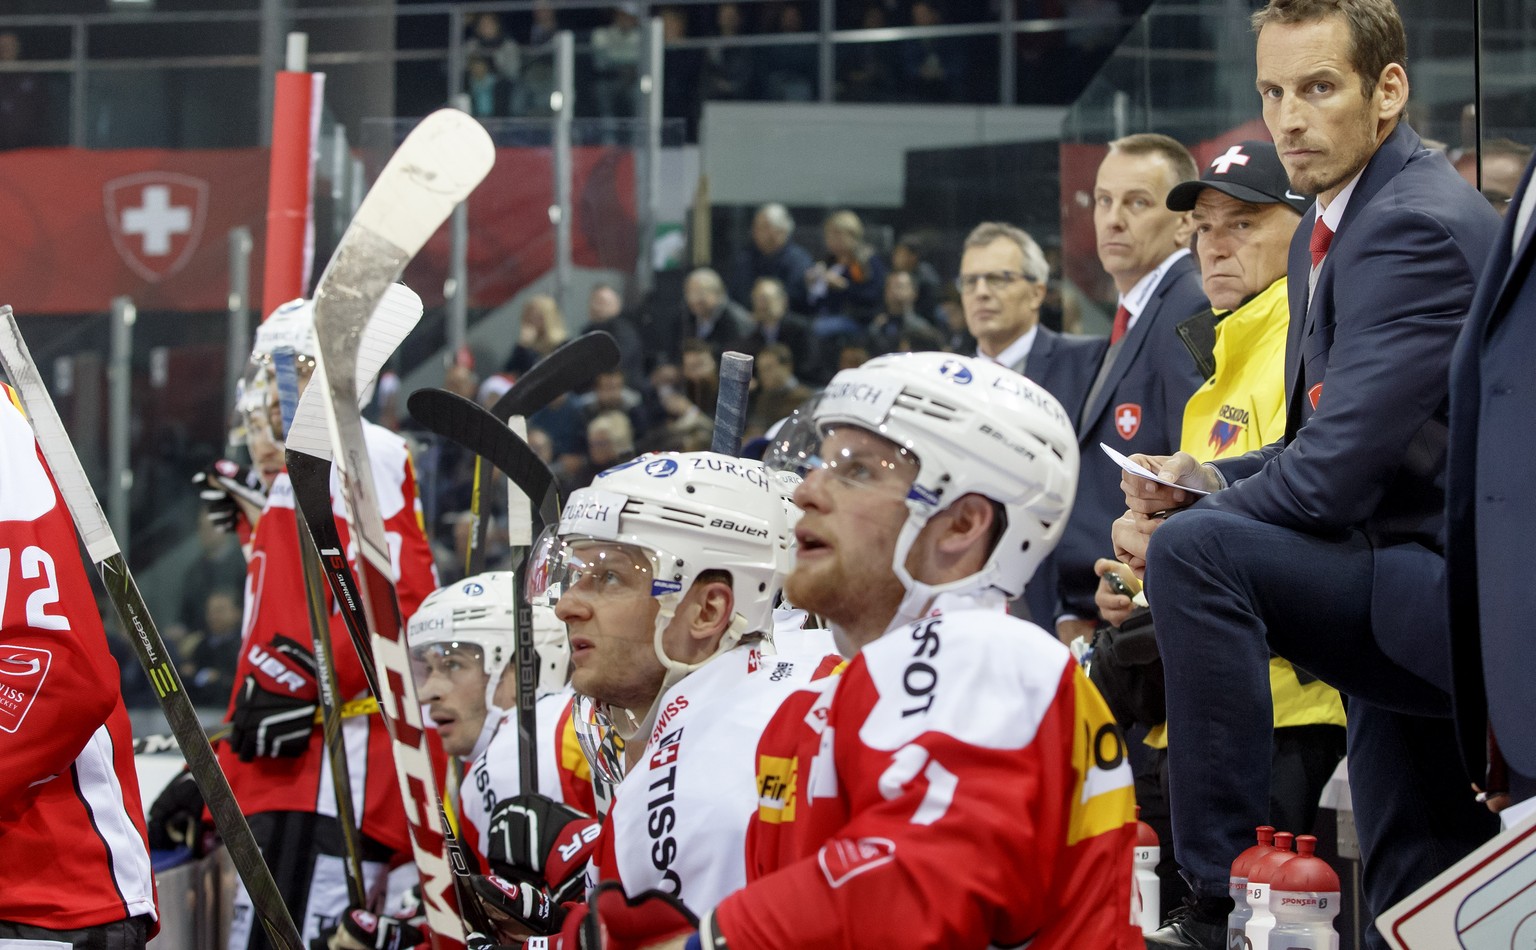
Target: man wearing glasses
1002, 284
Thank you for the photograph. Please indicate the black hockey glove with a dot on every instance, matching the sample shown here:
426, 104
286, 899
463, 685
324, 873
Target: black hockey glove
274, 715
517, 911
176, 817
361, 930
220, 484
536, 840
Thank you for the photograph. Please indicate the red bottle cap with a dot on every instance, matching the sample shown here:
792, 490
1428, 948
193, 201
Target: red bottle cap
1146, 836
1305, 872
1263, 869
1266, 836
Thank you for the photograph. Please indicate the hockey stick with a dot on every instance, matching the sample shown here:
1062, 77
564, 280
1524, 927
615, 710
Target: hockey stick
101, 546
434, 169
325, 664
569, 366
158, 742
466, 423
731, 403
309, 461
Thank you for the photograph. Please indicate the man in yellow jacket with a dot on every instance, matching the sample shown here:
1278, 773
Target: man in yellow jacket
1245, 214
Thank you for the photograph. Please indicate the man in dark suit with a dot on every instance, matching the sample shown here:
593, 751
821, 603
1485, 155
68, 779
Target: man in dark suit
1489, 510
773, 254
1323, 547
1136, 403
711, 316
773, 322
1002, 284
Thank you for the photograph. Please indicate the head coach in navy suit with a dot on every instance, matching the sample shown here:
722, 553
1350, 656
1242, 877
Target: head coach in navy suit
1136, 402
1325, 547
1002, 283
1490, 509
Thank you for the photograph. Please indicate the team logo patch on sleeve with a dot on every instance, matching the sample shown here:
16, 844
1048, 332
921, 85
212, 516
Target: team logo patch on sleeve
843, 859
22, 671
1103, 797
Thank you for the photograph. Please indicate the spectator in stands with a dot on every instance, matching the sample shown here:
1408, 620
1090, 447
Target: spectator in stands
867, 72
488, 40
845, 287
610, 394
616, 64
490, 94
220, 565
710, 316
605, 311
773, 254
788, 73
23, 100
610, 440
728, 70
1503, 164
683, 73
545, 24
957, 335
897, 328
541, 329
209, 654
700, 375
933, 68
777, 393
687, 428
908, 256
774, 323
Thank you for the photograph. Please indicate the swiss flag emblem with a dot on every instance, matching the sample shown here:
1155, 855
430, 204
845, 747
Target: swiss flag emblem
156, 220
1127, 420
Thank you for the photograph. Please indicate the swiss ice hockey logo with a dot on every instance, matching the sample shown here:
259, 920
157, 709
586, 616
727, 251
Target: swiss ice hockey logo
1128, 420
22, 671
156, 220
843, 859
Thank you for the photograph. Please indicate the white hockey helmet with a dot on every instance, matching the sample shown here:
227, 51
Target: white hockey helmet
687, 513
292, 325
971, 426
481, 611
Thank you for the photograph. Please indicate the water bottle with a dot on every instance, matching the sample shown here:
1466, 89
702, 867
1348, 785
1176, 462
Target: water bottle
1260, 874
1146, 909
1304, 898
1237, 886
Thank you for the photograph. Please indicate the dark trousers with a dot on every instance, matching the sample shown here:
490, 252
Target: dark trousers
129, 934
1226, 591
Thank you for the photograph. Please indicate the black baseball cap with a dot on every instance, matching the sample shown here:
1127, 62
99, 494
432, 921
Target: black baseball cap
1248, 171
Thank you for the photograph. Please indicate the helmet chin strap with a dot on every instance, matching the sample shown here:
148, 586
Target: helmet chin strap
919, 596
625, 722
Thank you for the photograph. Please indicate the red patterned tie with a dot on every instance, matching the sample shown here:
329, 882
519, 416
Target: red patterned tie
1122, 323
1322, 236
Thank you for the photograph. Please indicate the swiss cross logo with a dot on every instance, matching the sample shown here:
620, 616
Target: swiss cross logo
22, 671
156, 220
843, 859
754, 661
1233, 156
665, 756
1128, 420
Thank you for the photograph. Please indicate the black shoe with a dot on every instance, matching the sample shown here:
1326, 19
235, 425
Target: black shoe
1201, 925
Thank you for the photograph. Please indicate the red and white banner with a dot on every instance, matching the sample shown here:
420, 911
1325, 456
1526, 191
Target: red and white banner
82, 227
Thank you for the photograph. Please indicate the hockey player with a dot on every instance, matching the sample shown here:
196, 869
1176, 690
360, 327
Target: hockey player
74, 862
963, 785
274, 757
462, 640
665, 572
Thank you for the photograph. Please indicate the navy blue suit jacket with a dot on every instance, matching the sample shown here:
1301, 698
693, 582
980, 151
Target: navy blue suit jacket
1490, 509
1373, 354
1065, 366
1140, 408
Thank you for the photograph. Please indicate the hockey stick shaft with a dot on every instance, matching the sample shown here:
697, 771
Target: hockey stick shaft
731, 404
283, 362
101, 545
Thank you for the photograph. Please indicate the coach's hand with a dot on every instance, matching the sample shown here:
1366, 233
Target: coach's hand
1144, 496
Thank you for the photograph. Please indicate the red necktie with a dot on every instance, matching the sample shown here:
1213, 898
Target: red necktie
1122, 323
1322, 236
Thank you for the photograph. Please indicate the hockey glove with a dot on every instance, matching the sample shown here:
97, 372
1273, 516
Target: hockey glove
536, 840
223, 487
274, 714
516, 911
360, 930
176, 817
624, 923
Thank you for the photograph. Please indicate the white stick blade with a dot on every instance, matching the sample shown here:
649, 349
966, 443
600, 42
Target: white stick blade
443, 159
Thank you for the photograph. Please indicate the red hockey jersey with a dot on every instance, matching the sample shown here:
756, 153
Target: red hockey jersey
961, 785
72, 846
275, 605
